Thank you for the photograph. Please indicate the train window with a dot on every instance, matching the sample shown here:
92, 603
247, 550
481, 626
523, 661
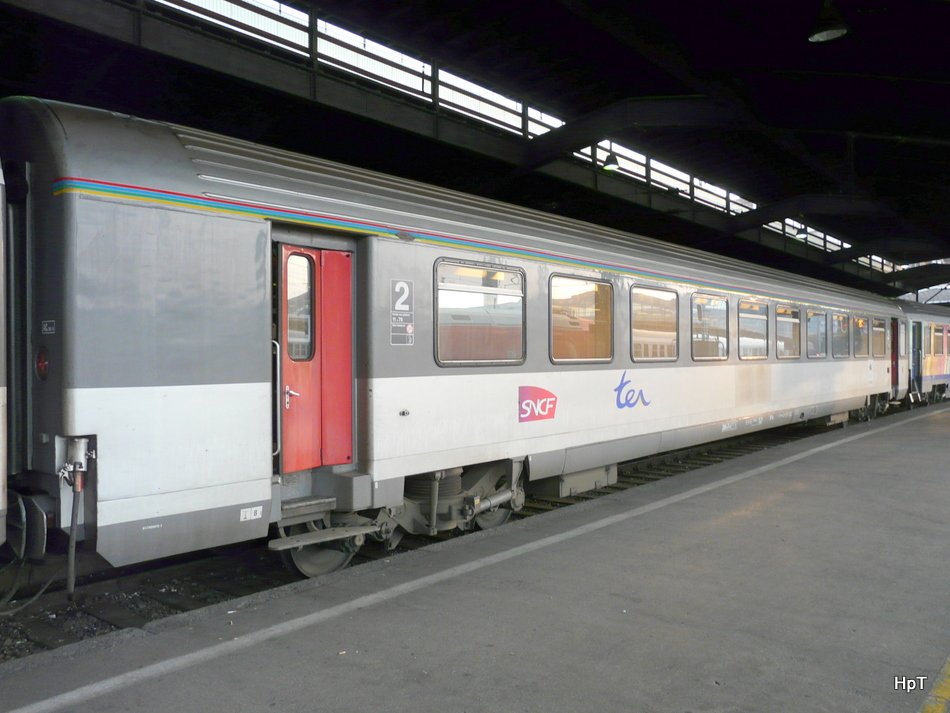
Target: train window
878, 338
902, 338
861, 335
753, 329
928, 338
817, 328
788, 332
479, 314
299, 307
840, 336
653, 324
938, 341
581, 319
710, 327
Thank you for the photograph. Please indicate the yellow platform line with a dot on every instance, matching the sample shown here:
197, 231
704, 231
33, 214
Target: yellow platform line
939, 699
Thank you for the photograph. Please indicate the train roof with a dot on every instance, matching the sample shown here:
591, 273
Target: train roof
922, 309
120, 155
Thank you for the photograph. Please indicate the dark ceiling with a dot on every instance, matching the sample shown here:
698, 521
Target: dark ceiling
852, 135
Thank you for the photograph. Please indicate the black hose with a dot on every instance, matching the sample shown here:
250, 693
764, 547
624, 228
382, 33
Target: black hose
73, 529
24, 605
14, 588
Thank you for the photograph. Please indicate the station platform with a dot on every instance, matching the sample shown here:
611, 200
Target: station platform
810, 577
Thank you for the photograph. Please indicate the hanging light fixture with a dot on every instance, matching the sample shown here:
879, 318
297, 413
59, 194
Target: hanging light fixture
611, 163
830, 24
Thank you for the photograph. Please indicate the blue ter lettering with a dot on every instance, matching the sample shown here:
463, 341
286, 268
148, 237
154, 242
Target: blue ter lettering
629, 397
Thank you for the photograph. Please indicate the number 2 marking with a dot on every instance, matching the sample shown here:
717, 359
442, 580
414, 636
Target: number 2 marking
401, 301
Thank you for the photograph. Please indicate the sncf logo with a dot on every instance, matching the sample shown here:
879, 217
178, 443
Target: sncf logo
535, 403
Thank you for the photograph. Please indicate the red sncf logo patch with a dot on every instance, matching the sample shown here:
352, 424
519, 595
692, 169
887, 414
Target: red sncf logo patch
535, 403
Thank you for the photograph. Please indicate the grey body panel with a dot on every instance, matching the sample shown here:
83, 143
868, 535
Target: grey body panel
172, 297
395, 259
122, 543
196, 163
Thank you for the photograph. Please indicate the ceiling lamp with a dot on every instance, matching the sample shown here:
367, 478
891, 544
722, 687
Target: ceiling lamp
611, 163
830, 25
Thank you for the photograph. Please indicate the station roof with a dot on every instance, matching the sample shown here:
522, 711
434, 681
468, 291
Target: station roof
850, 137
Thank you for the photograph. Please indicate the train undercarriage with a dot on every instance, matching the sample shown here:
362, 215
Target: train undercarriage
459, 499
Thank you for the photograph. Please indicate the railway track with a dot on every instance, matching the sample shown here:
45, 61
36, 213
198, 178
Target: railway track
120, 599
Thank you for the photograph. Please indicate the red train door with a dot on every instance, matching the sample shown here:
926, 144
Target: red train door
315, 402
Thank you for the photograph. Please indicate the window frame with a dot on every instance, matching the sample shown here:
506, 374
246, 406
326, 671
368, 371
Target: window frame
798, 310
692, 330
578, 360
312, 316
473, 289
883, 329
854, 334
847, 321
824, 319
756, 318
676, 325
938, 339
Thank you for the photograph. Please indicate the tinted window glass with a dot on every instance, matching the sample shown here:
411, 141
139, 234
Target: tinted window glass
480, 314
878, 338
581, 319
840, 336
817, 335
710, 327
653, 324
788, 332
299, 307
862, 335
753, 329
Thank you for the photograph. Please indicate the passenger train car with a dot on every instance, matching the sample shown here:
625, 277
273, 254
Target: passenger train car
929, 351
211, 340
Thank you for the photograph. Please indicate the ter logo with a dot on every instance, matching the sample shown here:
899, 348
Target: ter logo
535, 404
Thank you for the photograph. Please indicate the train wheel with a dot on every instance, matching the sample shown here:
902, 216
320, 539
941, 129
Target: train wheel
492, 518
315, 560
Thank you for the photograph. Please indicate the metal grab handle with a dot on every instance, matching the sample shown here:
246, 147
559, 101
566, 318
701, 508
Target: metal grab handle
288, 392
277, 414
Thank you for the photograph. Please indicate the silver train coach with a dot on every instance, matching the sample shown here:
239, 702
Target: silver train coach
211, 340
929, 330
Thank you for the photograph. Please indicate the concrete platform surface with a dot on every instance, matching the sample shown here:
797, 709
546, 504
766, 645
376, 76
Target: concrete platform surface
805, 578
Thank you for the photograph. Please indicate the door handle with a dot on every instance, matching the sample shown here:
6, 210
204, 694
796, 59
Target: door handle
288, 392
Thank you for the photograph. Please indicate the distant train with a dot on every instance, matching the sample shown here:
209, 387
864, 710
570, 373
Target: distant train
207, 340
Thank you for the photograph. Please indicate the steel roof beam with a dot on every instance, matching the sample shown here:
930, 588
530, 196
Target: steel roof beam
641, 113
888, 246
918, 278
809, 204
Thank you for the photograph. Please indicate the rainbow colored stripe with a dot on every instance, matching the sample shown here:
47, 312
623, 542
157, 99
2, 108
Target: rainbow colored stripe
154, 196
